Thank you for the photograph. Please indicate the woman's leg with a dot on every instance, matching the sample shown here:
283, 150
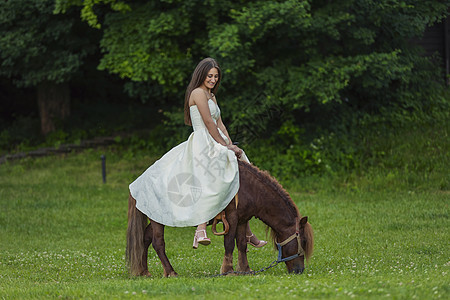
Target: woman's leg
200, 236
201, 227
252, 239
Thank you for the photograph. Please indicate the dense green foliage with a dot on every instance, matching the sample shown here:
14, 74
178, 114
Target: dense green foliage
304, 81
297, 52
296, 73
381, 235
38, 46
43, 52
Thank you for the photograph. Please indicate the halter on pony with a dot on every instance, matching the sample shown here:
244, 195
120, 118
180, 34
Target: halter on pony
300, 251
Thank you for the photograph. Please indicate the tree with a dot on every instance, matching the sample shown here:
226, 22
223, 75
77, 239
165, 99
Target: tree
283, 56
42, 50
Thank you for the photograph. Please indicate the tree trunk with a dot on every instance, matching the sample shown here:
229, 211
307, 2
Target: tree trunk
54, 104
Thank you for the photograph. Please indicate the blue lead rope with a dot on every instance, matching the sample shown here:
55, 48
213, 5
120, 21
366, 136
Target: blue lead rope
279, 259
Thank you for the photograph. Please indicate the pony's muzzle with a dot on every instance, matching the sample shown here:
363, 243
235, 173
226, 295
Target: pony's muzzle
297, 269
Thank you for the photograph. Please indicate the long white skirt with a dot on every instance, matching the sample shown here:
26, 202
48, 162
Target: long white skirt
190, 184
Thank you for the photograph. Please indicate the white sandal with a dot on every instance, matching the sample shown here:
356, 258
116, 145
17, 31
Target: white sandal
204, 240
259, 245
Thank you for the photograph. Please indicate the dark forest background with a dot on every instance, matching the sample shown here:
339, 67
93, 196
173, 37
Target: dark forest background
309, 87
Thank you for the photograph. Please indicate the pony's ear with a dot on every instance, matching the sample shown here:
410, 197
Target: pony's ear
303, 221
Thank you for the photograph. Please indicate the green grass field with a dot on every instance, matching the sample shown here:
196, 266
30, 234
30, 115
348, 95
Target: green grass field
63, 236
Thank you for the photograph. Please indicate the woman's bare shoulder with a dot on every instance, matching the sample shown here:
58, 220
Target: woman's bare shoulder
198, 92
197, 95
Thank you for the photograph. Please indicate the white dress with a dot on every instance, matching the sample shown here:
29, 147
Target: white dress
192, 182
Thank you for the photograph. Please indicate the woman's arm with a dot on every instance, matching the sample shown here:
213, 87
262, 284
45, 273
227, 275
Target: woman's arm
235, 148
198, 97
222, 127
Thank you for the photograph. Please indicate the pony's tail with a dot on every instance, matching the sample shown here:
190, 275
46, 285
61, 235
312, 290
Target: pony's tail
137, 222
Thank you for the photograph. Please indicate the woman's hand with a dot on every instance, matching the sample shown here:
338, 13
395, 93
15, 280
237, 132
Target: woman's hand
238, 151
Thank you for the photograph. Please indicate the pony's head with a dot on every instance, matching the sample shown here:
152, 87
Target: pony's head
301, 244
281, 215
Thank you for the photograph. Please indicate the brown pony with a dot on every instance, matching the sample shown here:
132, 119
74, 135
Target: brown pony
260, 196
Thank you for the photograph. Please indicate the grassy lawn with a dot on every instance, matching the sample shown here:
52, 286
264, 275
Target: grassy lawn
63, 236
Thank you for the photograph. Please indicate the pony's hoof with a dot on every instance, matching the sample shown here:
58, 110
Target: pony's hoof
226, 270
243, 270
146, 274
171, 274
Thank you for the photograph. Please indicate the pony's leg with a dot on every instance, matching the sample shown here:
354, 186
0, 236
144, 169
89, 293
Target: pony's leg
227, 264
228, 240
160, 247
241, 241
148, 235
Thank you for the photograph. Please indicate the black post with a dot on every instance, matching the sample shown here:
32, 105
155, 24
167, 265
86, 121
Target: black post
103, 157
447, 48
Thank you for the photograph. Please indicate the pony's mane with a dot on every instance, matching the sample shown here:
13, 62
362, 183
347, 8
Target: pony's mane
270, 181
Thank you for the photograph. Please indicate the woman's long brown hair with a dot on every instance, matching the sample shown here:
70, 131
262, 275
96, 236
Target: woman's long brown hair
198, 77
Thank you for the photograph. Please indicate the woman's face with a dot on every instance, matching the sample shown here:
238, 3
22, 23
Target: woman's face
211, 78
